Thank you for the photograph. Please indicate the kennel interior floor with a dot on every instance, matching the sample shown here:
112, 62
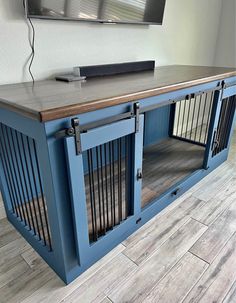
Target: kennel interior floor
187, 253
166, 163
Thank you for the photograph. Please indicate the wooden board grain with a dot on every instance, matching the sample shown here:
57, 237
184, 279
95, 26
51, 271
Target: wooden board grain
217, 235
55, 291
148, 274
105, 280
231, 296
218, 278
49, 99
143, 244
178, 282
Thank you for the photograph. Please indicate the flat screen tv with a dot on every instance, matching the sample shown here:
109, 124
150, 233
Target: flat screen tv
105, 11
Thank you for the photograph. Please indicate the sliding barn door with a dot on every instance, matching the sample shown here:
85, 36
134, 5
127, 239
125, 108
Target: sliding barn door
222, 125
105, 190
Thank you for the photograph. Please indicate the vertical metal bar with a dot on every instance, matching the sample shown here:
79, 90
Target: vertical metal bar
16, 173
198, 115
106, 185
209, 116
189, 108
179, 107
8, 177
232, 114
43, 199
27, 197
226, 125
229, 121
119, 181
111, 189
99, 192
113, 181
11, 164
220, 125
37, 196
103, 196
91, 194
7, 181
194, 108
126, 175
223, 126
20, 182
30, 186
120, 176
94, 196
183, 118
203, 115
172, 119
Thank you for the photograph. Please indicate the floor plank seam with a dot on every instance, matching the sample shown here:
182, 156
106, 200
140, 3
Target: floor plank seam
225, 209
109, 299
170, 269
123, 253
164, 242
198, 256
199, 221
223, 246
20, 255
188, 292
231, 288
125, 245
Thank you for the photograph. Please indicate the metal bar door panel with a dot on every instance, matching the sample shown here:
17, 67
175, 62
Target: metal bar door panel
105, 190
221, 125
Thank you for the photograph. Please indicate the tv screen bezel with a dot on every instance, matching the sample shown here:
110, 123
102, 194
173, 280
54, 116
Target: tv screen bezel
101, 21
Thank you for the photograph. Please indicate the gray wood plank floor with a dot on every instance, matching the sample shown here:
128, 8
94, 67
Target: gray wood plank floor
187, 253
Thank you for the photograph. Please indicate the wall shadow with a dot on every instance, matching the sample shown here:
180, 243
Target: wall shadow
13, 9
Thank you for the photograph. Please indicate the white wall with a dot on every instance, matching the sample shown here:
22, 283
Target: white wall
188, 36
226, 43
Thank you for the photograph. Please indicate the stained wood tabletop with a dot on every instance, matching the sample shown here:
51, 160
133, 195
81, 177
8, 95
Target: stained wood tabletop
49, 99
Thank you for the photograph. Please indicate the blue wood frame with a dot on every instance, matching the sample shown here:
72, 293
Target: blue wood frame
63, 179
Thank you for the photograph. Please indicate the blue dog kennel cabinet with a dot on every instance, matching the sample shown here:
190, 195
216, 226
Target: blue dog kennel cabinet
85, 164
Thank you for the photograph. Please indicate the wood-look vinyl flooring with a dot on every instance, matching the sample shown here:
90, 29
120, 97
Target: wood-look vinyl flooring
187, 253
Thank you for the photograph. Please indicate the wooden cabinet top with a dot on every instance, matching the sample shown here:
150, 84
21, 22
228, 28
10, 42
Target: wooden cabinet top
49, 99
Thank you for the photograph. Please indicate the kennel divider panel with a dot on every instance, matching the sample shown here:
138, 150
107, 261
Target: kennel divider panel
190, 118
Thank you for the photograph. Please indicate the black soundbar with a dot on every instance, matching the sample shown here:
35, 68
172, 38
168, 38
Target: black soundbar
114, 69
83, 72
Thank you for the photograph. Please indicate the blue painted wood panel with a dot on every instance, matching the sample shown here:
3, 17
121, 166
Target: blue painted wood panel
156, 126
